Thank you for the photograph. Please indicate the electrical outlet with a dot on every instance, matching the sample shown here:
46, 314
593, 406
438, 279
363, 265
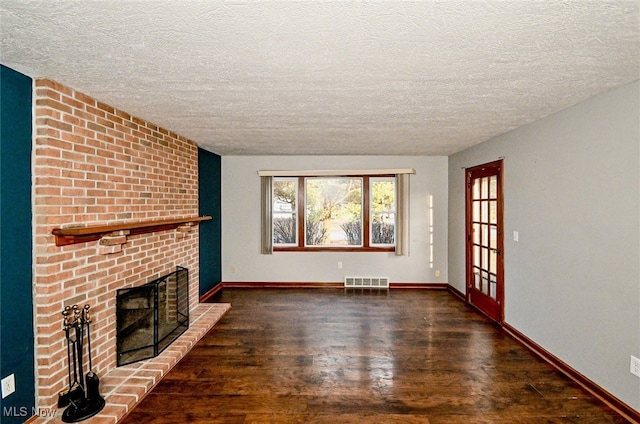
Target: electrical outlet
339, 265
8, 385
437, 273
634, 368
234, 269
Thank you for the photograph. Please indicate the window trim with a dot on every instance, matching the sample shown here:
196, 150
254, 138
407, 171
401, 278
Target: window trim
366, 224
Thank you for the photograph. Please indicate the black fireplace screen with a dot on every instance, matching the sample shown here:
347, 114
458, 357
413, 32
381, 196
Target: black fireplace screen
150, 317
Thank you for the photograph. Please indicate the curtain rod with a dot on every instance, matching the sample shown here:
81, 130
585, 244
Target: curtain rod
334, 172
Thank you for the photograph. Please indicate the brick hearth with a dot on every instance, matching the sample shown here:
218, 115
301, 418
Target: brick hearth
124, 387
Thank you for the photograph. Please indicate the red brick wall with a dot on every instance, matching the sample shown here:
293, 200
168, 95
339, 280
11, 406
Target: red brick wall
94, 164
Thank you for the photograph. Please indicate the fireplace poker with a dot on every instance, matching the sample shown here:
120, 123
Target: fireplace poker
65, 325
74, 342
91, 379
79, 344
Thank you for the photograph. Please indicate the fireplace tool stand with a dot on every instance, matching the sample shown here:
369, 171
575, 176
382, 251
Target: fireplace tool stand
82, 398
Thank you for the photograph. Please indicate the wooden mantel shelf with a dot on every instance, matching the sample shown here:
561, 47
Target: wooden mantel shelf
72, 235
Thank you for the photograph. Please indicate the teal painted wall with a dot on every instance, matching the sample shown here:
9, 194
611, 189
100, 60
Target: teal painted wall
209, 198
16, 302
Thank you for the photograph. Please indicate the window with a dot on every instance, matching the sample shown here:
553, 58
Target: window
335, 210
284, 211
383, 211
331, 213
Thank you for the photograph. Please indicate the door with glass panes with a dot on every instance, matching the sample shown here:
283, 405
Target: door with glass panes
485, 274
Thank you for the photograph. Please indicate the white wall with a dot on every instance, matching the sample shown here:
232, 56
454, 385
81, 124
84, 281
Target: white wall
572, 191
241, 224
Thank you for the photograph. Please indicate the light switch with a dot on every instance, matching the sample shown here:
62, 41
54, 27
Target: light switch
515, 236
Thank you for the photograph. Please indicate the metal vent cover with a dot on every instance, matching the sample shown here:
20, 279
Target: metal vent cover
366, 282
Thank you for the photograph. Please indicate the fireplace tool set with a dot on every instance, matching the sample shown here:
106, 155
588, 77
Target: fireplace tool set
82, 399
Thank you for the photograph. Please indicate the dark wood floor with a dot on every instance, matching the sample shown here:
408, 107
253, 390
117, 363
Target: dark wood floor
331, 356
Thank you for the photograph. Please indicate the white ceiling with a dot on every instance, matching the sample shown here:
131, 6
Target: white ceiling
321, 77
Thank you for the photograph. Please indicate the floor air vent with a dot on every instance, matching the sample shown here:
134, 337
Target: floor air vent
366, 282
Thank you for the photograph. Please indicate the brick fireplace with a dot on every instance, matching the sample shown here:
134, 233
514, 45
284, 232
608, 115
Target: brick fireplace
94, 164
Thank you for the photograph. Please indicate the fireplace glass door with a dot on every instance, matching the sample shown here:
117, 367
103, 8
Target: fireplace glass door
150, 317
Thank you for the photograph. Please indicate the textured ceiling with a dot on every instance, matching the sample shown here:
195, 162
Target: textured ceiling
316, 77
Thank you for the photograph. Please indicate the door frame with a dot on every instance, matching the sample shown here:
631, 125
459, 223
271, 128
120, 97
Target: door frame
490, 168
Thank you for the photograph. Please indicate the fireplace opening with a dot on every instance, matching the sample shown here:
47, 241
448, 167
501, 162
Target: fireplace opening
150, 317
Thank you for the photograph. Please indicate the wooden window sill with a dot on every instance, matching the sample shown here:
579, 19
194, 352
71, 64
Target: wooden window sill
334, 249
